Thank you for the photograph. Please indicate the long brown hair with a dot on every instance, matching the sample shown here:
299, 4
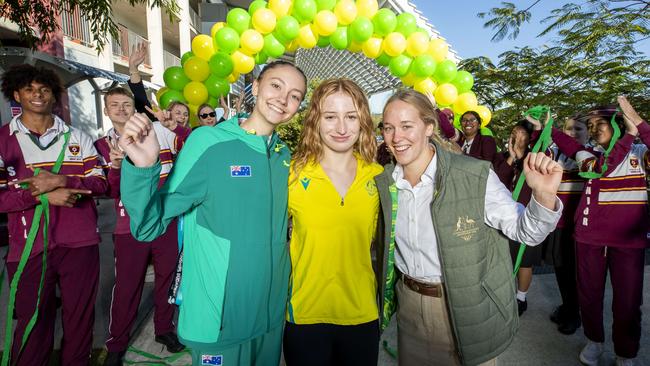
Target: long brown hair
310, 147
427, 112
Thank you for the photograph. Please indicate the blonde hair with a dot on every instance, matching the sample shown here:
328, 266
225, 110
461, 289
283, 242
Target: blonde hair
310, 147
427, 113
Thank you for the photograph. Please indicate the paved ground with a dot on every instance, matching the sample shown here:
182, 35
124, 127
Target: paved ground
537, 342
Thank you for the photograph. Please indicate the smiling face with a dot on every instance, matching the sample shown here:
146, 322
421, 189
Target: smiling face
406, 134
279, 93
180, 114
470, 125
35, 98
119, 108
600, 130
339, 125
207, 116
577, 130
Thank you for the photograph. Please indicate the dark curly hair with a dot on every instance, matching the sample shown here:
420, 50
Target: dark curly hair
20, 76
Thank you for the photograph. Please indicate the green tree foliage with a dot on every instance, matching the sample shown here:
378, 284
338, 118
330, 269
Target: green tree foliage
37, 19
290, 132
593, 57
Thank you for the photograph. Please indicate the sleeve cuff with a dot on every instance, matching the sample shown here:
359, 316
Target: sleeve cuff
144, 172
541, 213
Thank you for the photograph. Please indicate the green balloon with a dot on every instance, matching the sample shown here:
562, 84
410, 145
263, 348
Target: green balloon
221, 64
217, 87
171, 96
463, 81
361, 29
272, 46
486, 131
445, 71
384, 22
339, 39
186, 56
406, 24
288, 28
325, 4
257, 4
304, 10
399, 65
323, 41
238, 19
261, 58
424, 66
213, 102
383, 59
227, 39
175, 78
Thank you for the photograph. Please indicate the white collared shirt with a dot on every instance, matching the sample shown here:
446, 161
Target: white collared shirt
416, 253
16, 125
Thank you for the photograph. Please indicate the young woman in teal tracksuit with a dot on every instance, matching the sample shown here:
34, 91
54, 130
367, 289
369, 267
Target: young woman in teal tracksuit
230, 183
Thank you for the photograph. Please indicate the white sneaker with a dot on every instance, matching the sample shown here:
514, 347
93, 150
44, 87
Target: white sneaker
622, 361
590, 354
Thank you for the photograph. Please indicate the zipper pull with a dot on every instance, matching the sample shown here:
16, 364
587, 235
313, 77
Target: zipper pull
342, 202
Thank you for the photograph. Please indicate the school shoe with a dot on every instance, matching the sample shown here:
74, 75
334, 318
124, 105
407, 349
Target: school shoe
590, 354
522, 306
622, 361
569, 326
114, 358
170, 341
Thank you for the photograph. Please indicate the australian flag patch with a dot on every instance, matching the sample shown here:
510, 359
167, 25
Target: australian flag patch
211, 359
240, 171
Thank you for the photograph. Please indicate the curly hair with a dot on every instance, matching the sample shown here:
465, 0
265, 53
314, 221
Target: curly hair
427, 113
20, 76
310, 147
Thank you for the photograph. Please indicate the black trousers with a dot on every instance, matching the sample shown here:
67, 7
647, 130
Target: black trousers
560, 251
331, 344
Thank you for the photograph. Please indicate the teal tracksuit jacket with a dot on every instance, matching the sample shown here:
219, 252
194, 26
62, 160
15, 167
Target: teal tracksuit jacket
231, 187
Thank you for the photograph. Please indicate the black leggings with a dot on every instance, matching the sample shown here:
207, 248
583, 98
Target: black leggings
330, 344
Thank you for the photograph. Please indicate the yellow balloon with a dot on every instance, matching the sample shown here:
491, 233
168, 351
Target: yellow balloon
233, 77
410, 79
425, 86
195, 93
202, 46
355, 47
345, 11
196, 69
293, 46
307, 37
372, 47
465, 102
367, 8
251, 42
264, 20
243, 64
160, 92
279, 7
485, 113
394, 44
446, 94
417, 44
325, 22
215, 28
438, 49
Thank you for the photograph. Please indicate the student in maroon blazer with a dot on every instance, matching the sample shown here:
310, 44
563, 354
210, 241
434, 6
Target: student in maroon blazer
469, 139
611, 225
35, 139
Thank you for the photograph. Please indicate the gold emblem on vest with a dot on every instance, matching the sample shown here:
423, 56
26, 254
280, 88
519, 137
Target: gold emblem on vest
466, 228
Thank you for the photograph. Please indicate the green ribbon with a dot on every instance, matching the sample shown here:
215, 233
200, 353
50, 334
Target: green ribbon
41, 211
154, 359
391, 277
616, 135
537, 112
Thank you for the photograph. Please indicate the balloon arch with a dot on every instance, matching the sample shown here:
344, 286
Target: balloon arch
269, 29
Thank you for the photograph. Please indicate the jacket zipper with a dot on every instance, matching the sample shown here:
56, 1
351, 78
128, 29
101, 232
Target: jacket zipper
268, 161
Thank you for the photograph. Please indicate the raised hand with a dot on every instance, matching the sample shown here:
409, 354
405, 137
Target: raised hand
630, 116
116, 154
139, 141
44, 182
66, 197
226, 110
136, 58
240, 101
163, 116
543, 176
